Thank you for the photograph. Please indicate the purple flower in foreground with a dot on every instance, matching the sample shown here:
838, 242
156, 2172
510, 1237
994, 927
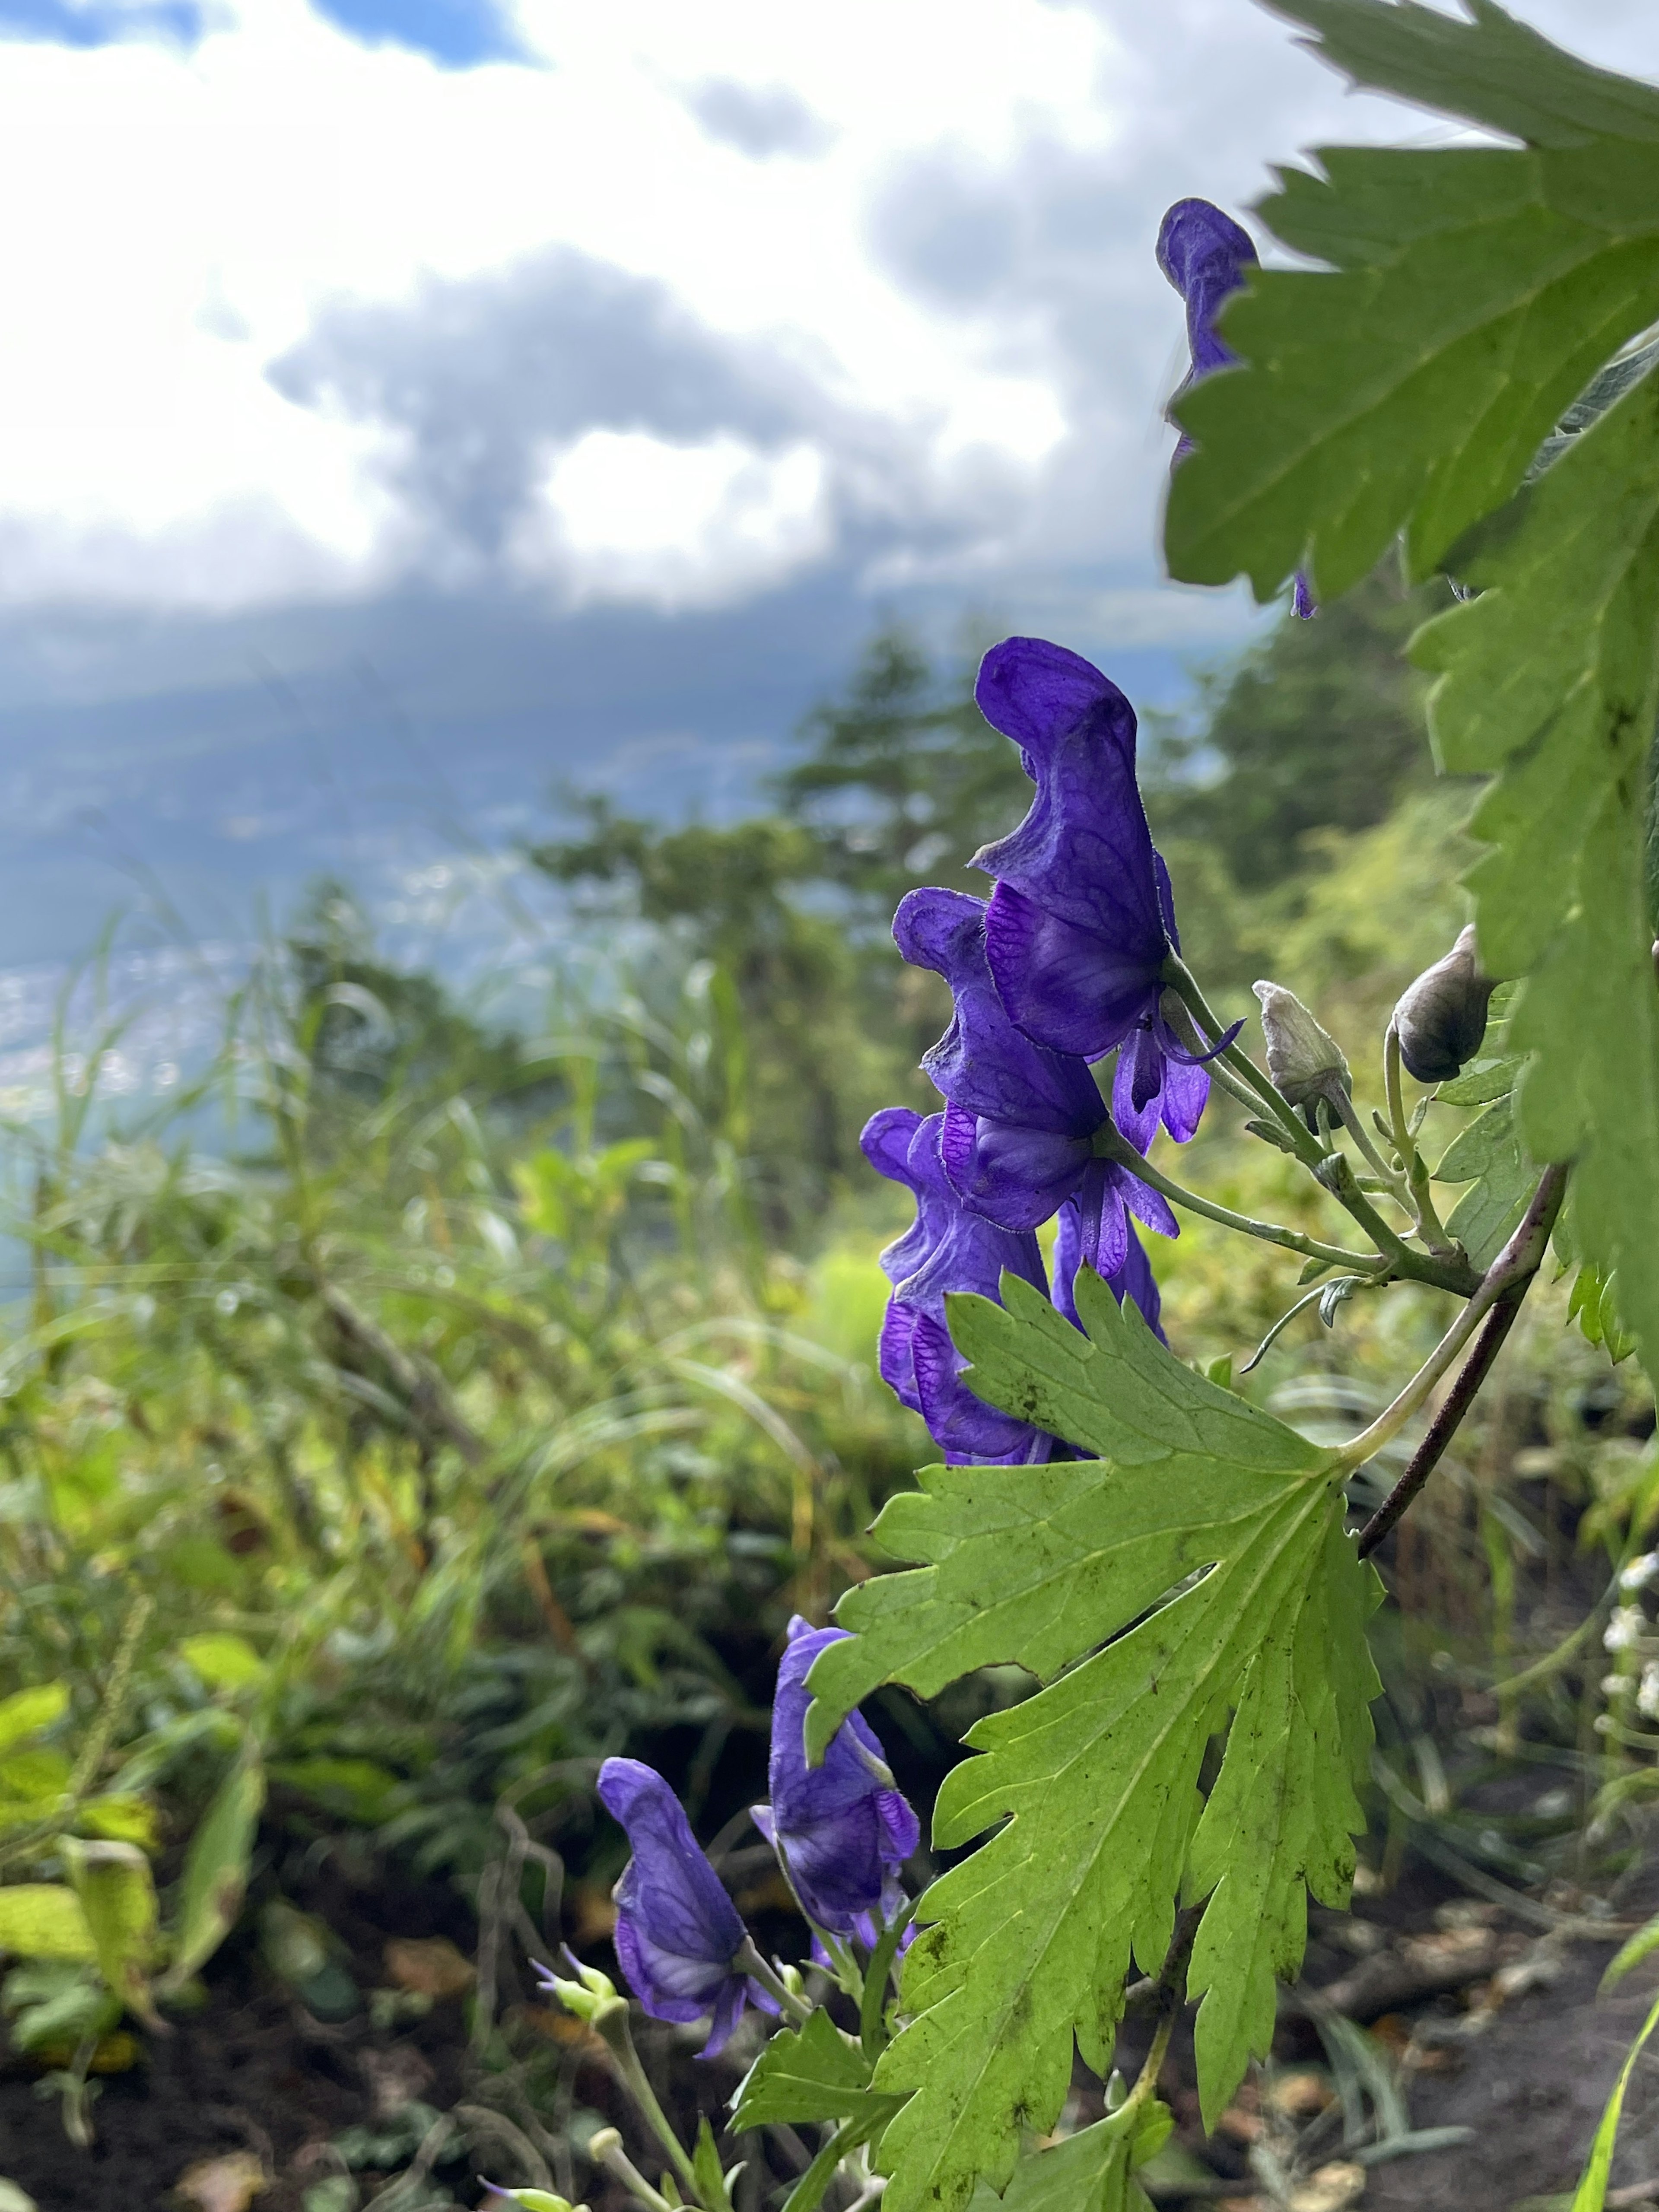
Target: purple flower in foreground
677, 1932
1133, 1279
946, 1249
1205, 254
1082, 920
1020, 1121
842, 1829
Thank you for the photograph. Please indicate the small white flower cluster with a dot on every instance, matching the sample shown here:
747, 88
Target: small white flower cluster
1626, 1629
1647, 1698
1640, 1572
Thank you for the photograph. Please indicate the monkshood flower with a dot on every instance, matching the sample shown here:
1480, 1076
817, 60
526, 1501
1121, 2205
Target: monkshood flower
946, 1249
1020, 1121
1082, 920
1205, 254
842, 1829
677, 1933
1133, 1279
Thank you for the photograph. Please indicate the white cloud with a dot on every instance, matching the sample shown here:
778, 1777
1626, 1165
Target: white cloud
626, 516
949, 280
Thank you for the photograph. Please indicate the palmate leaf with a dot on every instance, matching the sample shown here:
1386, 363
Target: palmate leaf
1552, 677
1205, 1552
1471, 296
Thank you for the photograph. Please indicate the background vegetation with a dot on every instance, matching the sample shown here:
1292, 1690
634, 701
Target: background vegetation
467, 1405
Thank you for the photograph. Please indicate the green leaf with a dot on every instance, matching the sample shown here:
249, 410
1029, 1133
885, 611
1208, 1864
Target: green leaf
1631, 1954
26, 1713
1479, 1084
120, 1819
118, 1897
1489, 1157
44, 1920
224, 1661
1472, 294
1591, 2194
1204, 1551
1551, 678
216, 1867
706, 2166
1091, 2169
811, 2073
1593, 1303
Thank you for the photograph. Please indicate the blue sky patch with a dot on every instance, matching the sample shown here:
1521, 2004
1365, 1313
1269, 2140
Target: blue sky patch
459, 33
56, 23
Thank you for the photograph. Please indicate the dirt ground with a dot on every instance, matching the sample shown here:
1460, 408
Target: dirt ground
1524, 2055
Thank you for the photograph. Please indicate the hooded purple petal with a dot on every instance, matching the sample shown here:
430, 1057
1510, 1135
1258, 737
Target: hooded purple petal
677, 1932
842, 1829
1205, 254
947, 1249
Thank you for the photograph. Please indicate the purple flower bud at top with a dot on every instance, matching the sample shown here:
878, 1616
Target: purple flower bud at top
947, 1249
1205, 255
677, 1933
842, 1829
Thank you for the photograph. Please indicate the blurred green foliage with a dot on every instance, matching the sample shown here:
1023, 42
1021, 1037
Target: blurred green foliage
471, 1404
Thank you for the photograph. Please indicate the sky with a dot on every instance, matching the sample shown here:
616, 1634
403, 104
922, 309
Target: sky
406, 405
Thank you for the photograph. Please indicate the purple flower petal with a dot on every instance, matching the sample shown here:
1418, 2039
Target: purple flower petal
677, 1932
1205, 254
840, 1828
967, 1431
1133, 1279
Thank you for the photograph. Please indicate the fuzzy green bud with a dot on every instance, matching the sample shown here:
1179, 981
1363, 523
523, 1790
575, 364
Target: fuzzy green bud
594, 1994
1441, 1017
1303, 1059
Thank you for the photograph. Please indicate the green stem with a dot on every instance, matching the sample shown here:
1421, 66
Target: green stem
1330, 1170
612, 2155
748, 1961
1181, 980
1171, 1996
610, 2021
1392, 1183
1507, 1279
1428, 1219
808, 2192
1109, 1145
875, 1980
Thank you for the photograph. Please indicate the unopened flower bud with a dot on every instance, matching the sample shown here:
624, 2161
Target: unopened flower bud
1441, 1017
602, 2143
1303, 1059
586, 1998
533, 2200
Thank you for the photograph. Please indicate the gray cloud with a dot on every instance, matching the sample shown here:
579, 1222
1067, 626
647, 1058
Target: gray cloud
760, 121
480, 373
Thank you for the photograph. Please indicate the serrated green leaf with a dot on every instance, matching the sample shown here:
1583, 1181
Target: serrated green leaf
1218, 1534
811, 2073
1494, 70
1489, 1158
1570, 577
1481, 1084
1471, 296
1090, 2171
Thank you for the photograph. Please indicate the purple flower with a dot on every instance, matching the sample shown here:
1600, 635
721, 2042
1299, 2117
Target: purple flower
1131, 1279
1082, 920
1205, 254
947, 1249
677, 1932
1020, 1121
842, 1829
